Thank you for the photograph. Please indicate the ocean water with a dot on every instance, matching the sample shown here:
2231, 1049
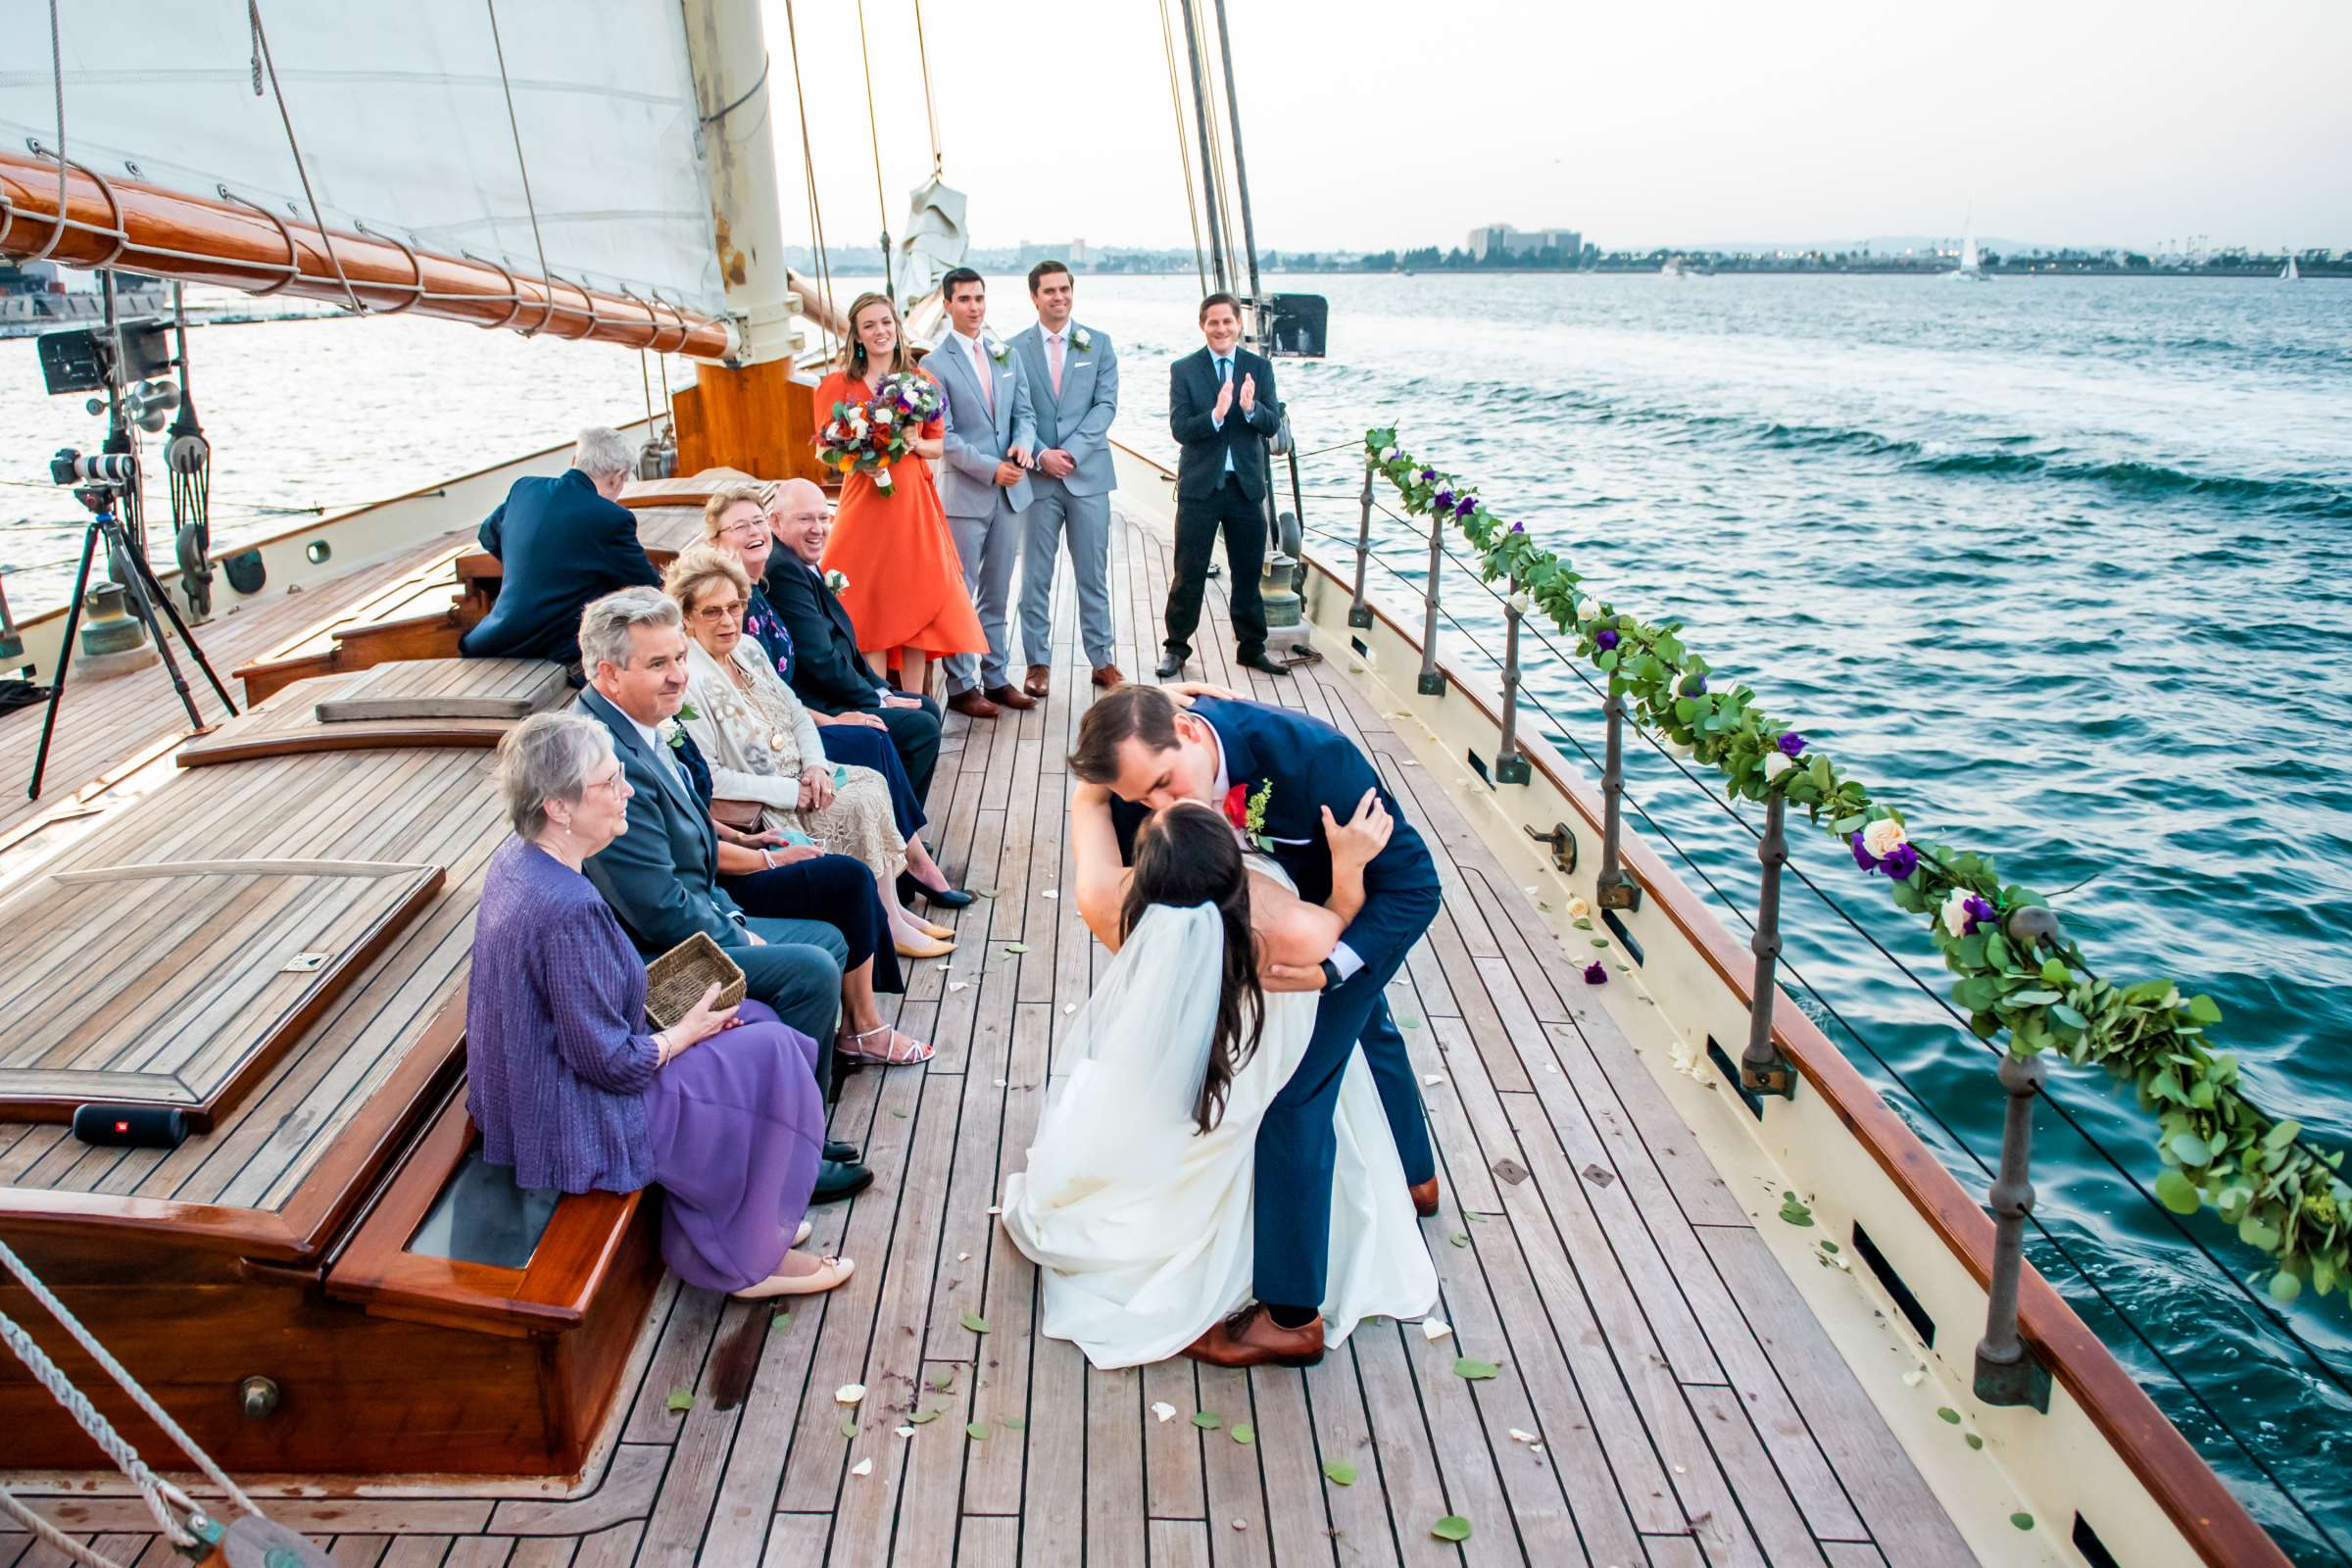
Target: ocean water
2055, 565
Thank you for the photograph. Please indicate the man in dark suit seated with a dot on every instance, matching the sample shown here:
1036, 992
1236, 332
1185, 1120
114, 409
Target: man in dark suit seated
827, 672
563, 541
1221, 409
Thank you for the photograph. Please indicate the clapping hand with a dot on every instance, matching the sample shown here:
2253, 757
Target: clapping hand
1249, 395
1224, 403
1360, 842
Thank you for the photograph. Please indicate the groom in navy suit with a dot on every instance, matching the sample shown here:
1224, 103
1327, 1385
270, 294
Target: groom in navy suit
1150, 754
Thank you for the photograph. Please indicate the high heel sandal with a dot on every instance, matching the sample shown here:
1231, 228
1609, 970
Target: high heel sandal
899, 1051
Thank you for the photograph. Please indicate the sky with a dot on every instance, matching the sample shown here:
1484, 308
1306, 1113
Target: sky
1377, 124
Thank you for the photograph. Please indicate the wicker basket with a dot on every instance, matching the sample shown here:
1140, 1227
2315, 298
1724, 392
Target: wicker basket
675, 981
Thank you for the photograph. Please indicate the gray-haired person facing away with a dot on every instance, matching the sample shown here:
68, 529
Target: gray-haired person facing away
564, 541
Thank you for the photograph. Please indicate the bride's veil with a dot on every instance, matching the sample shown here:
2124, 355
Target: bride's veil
1136, 1053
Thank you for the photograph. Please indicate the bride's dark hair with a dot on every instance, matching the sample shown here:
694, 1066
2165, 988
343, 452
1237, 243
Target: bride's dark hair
1184, 856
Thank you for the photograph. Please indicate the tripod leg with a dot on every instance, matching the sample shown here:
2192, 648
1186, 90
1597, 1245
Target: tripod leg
144, 608
155, 591
65, 658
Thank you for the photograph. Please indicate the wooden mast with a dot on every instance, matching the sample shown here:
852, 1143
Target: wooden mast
142, 228
751, 413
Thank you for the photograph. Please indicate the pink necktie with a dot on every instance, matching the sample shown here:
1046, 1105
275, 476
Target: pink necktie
1053, 361
988, 382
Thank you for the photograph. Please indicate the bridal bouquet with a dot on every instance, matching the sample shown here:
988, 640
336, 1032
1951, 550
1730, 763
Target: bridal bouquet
871, 436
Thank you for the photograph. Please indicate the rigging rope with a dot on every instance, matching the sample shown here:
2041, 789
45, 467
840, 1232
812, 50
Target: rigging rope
57, 77
547, 281
112, 1444
261, 39
873, 127
922, 55
74, 1550
816, 215
1184, 155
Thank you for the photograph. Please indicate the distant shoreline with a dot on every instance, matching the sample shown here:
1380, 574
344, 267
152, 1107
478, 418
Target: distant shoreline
2255, 273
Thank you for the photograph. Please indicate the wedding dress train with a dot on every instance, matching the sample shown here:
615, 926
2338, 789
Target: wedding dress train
1139, 1222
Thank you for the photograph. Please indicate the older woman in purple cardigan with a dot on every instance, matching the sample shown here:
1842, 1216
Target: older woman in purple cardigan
575, 1090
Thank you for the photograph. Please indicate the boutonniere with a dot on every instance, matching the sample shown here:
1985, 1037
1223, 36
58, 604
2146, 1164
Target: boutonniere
836, 581
1082, 340
996, 350
672, 731
1247, 813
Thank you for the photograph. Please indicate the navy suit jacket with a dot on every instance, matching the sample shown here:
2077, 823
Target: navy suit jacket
662, 876
562, 545
828, 673
1191, 400
1310, 765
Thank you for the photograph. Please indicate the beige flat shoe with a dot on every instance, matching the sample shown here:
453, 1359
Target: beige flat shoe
909, 949
944, 933
800, 1236
832, 1275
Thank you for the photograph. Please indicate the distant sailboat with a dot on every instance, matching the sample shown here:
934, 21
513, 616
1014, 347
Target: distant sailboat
2288, 273
1971, 269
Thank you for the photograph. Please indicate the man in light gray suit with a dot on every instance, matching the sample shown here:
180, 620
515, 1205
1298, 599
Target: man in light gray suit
1073, 376
983, 484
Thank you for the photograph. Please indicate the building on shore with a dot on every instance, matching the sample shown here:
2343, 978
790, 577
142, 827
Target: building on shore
1503, 239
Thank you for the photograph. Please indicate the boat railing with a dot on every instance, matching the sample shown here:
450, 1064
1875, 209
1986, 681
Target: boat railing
2006, 1372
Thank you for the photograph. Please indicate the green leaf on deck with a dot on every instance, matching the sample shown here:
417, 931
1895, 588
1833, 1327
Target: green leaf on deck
1453, 1527
922, 1418
780, 1322
977, 1431
1600, 941
1338, 1473
942, 1381
1974, 1442
1408, 1023
1208, 1420
1016, 947
1012, 1423
1944, 1412
1795, 1212
849, 1426
2022, 1521
901, 1115
1459, 1239
975, 1322
1473, 1369
681, 1399
1582, 925
981, 893
1242, 1432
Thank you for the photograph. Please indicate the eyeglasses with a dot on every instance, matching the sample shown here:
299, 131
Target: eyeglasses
751, 528
617, 783
712, 614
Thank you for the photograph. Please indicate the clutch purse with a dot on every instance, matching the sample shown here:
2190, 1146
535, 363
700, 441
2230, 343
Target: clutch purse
740, 814
675, 981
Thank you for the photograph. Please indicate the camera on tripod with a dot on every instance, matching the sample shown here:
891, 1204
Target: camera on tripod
105, 470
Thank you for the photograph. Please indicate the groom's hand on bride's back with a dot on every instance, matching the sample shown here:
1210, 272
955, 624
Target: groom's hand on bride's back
1360, 839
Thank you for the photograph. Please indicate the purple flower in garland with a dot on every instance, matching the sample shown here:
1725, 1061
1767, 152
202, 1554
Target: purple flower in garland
1862, 856
1444, 500
1518, 527
1466, 506
1429, 476
1792, 743
1595, 974
1979, 911
1899, 862
1605, 638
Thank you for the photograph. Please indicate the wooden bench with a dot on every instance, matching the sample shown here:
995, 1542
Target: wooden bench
440, 702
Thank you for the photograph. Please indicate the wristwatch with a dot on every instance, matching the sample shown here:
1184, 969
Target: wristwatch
1331, 975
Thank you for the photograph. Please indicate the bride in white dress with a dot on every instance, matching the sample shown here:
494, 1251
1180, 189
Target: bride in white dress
1137, 1202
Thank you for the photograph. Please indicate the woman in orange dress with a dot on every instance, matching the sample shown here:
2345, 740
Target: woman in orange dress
906, 591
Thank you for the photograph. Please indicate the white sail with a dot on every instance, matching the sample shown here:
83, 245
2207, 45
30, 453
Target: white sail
935, 241
401, 114
2289, 273
1967, 253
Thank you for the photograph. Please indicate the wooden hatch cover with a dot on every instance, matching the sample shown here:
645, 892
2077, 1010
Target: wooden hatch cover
181, 984
413, 702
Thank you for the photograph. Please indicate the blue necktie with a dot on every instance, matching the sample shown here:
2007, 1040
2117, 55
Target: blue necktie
1225, 375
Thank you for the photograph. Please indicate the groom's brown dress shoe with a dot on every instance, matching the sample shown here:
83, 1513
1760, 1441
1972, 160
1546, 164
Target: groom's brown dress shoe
1039, 680
1252, 1338
1425, 1196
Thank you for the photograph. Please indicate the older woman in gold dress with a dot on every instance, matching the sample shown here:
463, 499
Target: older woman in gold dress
763, 747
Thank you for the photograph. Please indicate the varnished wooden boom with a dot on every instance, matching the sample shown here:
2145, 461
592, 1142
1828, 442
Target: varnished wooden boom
239, 244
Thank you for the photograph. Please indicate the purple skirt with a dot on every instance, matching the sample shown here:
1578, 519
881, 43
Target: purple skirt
737, 1126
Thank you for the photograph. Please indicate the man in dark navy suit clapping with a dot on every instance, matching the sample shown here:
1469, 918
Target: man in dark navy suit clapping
1221, 409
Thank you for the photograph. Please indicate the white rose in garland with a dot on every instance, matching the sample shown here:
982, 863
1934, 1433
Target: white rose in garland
1775, 764
1881, 837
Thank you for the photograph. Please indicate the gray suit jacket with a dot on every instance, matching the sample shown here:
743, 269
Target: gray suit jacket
1078, 422
977, 439
662, 876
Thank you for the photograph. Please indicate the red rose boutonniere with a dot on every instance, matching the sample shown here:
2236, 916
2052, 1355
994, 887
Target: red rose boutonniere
1247, 813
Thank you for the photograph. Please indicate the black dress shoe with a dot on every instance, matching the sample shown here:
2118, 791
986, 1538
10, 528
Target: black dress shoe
837, 1179
844, 1153
1263, 664
938, 899
1170, 667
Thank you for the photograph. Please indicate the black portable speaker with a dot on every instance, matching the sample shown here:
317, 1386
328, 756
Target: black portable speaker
131, 1126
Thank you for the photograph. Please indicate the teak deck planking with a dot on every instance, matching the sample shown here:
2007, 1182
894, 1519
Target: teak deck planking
1691, 1409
